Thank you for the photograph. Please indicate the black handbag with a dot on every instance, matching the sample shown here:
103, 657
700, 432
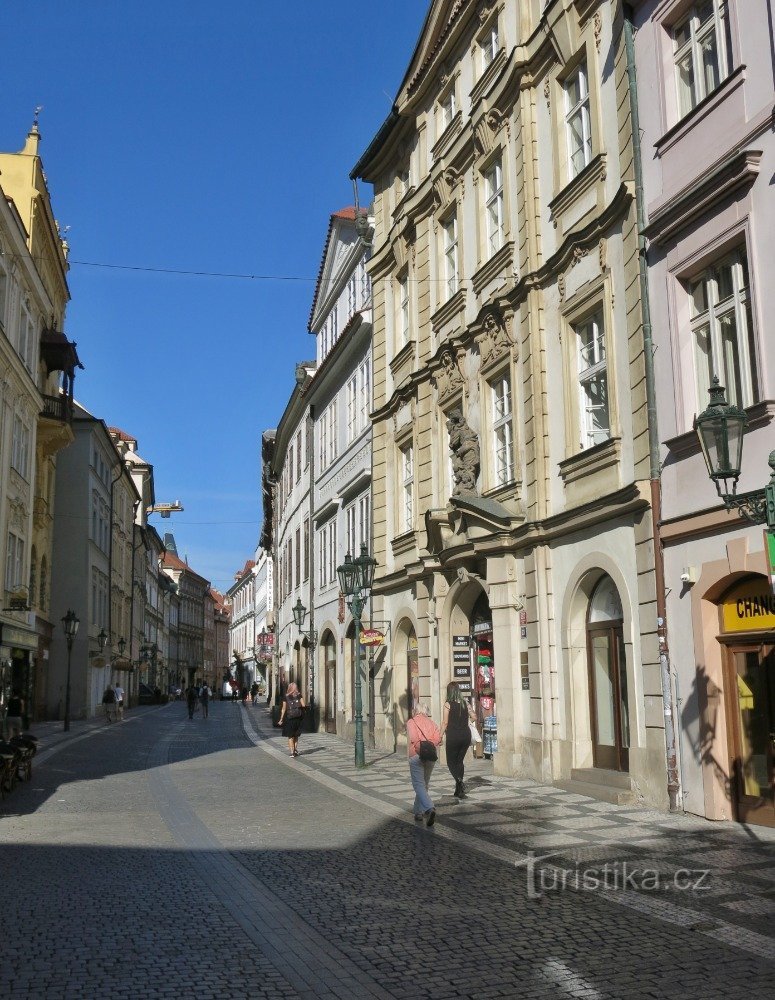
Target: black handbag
426, 749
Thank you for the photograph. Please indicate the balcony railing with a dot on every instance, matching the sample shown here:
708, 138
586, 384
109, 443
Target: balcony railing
58, 408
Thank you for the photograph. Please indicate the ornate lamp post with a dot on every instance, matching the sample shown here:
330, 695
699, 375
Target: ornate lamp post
356, 578
720, 429
299, 614
70, 624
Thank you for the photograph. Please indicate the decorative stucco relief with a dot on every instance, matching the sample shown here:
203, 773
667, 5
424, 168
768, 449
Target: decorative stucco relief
448, 378
494, 340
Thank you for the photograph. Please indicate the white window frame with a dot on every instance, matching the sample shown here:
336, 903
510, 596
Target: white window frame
450, 252
592, 374
352, 408
447, 108
352, 295
351, 541
364, 520
20, 449
402, 311
364, 379
493, 205
489, 45
14, 561
502, 429
689, 38
731, 359
407, 488
578, 126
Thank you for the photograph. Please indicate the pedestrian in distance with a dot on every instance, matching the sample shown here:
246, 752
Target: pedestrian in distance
109, 702
422, 738
291, 716
191, 697
454, 724
14, 714
119, 702
204, 699
254, 692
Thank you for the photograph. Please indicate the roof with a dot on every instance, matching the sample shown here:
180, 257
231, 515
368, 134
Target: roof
346, 214
122, 435
173, 561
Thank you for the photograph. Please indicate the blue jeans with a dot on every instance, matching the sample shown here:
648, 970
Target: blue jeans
420, 772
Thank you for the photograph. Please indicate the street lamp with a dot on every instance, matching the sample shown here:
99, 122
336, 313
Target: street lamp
70, 624
720, 429
299, 614
356, 578
102, 639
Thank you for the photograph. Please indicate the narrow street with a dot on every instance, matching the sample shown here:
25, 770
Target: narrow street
165, 857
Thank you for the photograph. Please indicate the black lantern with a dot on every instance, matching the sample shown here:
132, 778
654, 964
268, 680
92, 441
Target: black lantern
720, 429
348, 577
299, 614
102, 639
366, 566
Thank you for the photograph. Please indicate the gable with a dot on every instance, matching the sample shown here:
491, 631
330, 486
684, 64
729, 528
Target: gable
442, 17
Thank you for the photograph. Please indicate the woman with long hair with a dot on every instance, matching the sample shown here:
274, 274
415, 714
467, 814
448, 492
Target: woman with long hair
291, 716
455, 724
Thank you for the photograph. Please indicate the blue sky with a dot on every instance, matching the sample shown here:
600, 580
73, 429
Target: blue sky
206, 137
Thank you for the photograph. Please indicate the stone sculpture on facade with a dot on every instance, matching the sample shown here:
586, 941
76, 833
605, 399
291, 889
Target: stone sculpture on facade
464, 446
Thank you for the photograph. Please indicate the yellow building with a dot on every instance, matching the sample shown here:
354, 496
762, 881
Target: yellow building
37, 396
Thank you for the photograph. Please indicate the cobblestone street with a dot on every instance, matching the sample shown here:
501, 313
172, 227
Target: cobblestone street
165, 857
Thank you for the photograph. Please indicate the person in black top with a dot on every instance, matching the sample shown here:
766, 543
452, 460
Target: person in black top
454, 724
14, 715
291, 718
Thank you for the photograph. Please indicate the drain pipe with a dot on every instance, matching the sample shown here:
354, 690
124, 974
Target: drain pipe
673, 778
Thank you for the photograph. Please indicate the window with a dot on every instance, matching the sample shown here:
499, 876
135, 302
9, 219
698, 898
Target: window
20, 450
722, 330
365, 285
447, 108
298, 456
593, 382
489, 45
577, 122
352, 409
402, 311
700, 53
403, 181
305, 555
351, 544
323, 453
364, 520
14, 562
327, 548
289, 467
352, 287
449, 236
3, 289
493, 193
99, 598
329, 419
502, 431
298, 557
364, 373
407, 488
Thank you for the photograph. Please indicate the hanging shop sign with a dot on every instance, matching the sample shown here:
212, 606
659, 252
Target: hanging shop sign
372, 637
20, 638
749, 607
481, 628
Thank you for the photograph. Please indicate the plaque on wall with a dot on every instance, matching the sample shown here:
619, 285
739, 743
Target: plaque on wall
462, 671
460, 641
461, 656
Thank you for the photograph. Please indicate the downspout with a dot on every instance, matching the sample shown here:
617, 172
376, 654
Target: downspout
673, 778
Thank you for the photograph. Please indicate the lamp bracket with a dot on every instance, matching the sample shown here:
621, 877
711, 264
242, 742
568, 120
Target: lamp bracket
752, 506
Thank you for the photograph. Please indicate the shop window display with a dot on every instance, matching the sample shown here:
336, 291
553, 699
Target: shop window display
484, 686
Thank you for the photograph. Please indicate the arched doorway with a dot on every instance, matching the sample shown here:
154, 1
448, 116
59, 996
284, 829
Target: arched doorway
406, 666
607, 672
328, 658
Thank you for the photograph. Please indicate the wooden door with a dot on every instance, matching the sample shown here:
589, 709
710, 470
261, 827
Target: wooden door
751, 704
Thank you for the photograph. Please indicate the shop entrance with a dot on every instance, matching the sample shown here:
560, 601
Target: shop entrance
328, 648
750, 684
607, 666
484, 674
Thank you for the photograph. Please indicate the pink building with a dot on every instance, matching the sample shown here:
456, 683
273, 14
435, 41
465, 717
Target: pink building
705, 100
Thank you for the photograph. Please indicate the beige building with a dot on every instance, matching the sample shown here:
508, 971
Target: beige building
512, 520
37, 366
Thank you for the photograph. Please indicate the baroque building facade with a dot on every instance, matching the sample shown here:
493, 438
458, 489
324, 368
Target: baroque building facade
511, 476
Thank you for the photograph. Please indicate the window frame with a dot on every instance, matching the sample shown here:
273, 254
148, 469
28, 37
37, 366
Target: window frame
503, 471
495, 232
450, 245
718, 28
406, 481
593, 374
580, 109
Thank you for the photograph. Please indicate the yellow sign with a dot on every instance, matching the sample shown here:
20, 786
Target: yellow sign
749, 607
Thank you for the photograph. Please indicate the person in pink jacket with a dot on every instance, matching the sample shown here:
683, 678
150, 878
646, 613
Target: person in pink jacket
420, 727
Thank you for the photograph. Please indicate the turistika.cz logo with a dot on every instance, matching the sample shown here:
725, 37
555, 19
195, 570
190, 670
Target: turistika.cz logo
613, 876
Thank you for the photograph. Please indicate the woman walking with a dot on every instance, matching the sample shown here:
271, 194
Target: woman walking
421, 730
291, 716
455, 724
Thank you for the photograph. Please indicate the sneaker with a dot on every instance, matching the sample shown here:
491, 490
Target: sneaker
431, 818
418, 819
